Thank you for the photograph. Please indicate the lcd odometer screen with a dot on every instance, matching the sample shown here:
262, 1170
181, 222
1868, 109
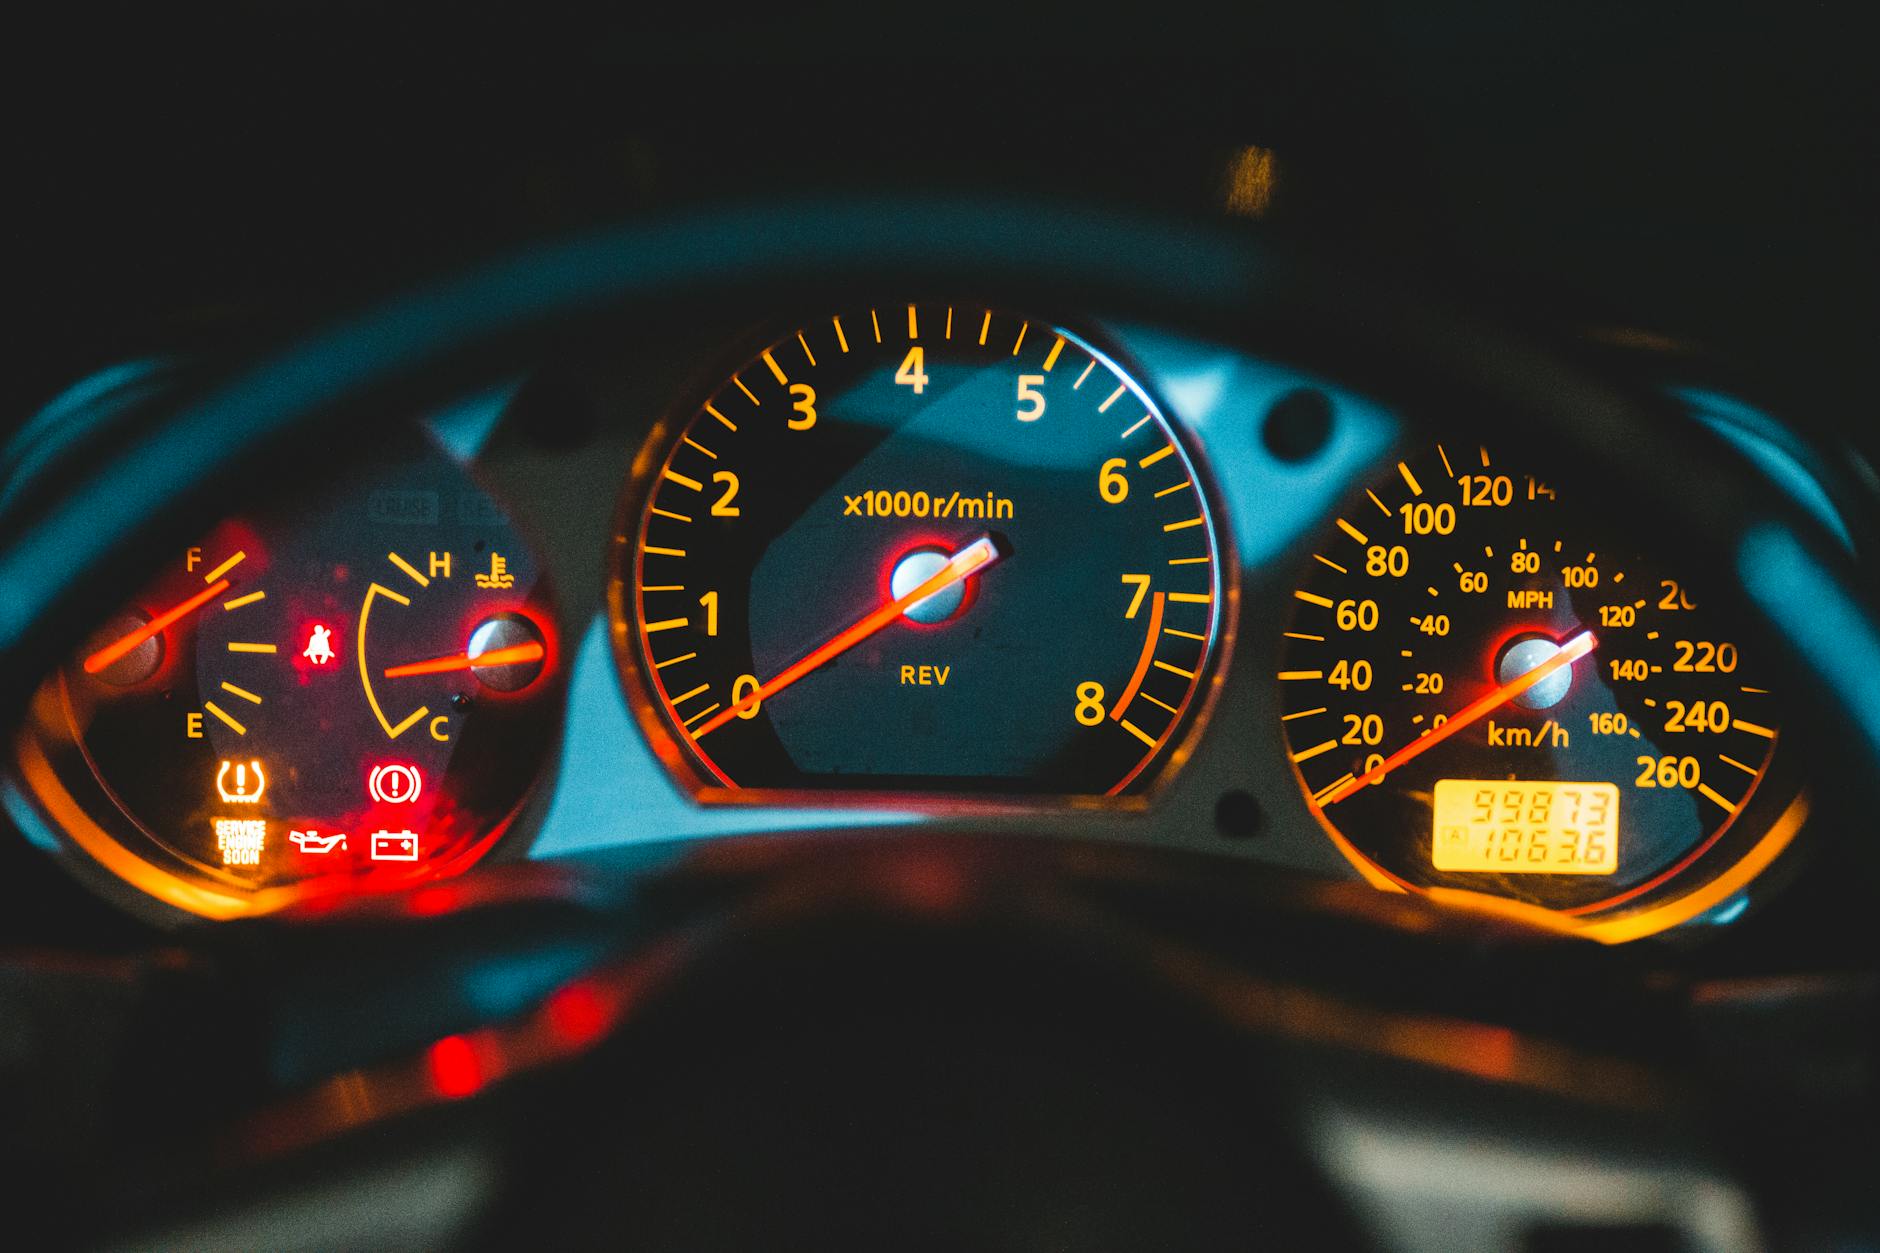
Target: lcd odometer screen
1525, 827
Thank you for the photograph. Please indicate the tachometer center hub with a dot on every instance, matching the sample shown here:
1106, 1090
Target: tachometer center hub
913, 570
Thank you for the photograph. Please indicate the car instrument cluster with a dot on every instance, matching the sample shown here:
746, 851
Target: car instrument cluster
930, 563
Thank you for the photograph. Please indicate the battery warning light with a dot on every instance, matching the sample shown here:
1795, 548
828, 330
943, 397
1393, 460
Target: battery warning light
394, 846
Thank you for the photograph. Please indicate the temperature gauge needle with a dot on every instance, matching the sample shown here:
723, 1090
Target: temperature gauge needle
1570, 652
514, 655
976, 556
110, 653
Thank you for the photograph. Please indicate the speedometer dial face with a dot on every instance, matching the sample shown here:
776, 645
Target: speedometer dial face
1488, 686
919, 548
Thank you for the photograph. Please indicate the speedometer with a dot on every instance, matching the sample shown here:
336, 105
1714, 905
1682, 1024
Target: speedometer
1487, 686
921, 548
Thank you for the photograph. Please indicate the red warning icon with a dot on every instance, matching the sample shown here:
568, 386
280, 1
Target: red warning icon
394, 783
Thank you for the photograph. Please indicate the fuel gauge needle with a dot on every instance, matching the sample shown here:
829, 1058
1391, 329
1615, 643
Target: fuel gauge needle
976, 556
1570, 652
111, 653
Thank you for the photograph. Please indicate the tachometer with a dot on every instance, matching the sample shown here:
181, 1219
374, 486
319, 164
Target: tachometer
1489, 686
921, 547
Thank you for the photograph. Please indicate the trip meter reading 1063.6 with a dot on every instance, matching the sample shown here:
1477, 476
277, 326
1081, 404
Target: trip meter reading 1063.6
920, 548
1486, 685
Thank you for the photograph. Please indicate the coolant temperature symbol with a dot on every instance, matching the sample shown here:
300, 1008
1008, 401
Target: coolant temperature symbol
498, 575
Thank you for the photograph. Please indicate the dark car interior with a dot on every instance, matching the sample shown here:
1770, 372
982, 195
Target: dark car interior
1012, 629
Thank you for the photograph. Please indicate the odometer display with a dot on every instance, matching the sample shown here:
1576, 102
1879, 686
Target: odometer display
919, 548
1525, 827
1487, 684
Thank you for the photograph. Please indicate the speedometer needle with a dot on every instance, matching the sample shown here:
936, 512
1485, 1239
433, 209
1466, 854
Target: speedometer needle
976, 556
1570, 652
111, 653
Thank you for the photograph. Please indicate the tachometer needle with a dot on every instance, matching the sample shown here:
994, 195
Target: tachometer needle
110, 653
976, 556
1570, 652
514, 655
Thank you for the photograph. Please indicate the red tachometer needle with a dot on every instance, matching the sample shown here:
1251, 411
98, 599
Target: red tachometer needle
1570, 652
514, 655
976, 556
111, 653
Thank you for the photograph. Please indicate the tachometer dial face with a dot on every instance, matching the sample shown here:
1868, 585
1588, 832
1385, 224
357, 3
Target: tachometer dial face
362, 691
1488, 685
922, 548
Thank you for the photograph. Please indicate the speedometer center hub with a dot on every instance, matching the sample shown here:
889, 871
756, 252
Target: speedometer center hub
1525, 655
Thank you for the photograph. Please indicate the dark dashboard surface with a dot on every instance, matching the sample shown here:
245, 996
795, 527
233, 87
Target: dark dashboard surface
1687, 171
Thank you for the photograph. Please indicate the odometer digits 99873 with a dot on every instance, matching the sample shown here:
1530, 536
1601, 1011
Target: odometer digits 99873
1487, 685
920, 548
